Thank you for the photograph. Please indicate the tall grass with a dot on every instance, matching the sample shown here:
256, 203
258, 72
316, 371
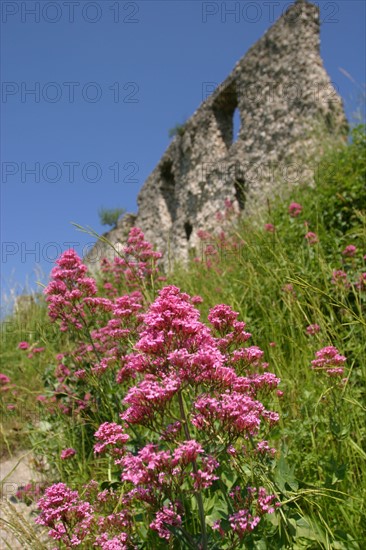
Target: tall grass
280, 284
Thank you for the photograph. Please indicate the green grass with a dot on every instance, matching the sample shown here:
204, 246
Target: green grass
321, 436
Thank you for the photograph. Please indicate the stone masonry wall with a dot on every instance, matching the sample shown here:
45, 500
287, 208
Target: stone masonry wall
287, 108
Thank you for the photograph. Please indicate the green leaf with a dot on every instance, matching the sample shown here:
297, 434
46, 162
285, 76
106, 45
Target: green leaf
284, 476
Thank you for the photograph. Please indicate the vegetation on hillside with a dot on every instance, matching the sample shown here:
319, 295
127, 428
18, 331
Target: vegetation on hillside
175, 426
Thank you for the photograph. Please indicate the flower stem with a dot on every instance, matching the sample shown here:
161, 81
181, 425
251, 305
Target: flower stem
197, 494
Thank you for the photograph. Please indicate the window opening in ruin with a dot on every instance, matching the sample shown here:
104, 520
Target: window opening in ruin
236, 124
168, 187
188, 229
240, 192
227, 114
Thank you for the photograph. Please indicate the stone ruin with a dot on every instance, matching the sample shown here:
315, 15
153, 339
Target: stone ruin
288, 108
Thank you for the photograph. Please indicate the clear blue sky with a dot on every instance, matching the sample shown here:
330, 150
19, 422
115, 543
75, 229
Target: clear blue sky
111, 78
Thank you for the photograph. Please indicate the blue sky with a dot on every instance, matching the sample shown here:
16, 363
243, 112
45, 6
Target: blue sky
110, 79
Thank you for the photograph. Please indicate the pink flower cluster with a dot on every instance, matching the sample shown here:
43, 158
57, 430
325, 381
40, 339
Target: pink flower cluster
23, 345
188, 392
67, 453
250, 504
312, 329
137, 262
4, 379
349, 251
312, 238
166, 517
67, 291
110, 435
328, 359
31, 492
269, 227
61, 506
294, 209
340, 279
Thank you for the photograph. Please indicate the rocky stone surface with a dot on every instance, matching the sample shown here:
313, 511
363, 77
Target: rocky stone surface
15, 473
288, 108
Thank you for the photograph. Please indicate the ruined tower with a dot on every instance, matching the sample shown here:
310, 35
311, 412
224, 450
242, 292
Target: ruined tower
287, 107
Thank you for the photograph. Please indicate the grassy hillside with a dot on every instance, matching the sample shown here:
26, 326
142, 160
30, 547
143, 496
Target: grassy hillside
297, 278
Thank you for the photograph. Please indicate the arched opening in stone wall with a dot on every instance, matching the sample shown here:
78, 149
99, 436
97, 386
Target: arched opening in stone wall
240, 191
168, 188
188, 229
227, 114
236, 124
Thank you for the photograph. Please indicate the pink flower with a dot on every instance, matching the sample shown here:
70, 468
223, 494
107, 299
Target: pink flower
41, 398
311, 237
289, 289
61, 506
222, 317
67, 453
243, 522
67, 291
294, 209
329, 360
269, 227
361, 284
313, 329
109, 433
339, 278
349, 251
23, 345
4, 379
166, 516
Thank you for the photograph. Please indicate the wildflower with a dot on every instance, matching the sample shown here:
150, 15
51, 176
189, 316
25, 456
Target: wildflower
4, 379
109, 433
243, 522
222, 317
361, 284
61, 506
313, 329
23, 345
67, 453
216, 526
330, 360
165, 517
339, 278
66, 292
311, 237
269, 227
289, 289
295, 209
349, 251
204, 477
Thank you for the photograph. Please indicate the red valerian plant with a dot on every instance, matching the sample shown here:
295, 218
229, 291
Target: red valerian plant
190, 452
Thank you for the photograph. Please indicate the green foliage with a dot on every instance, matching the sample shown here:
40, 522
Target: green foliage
320, 470
341, 184
177, 130
110, 216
